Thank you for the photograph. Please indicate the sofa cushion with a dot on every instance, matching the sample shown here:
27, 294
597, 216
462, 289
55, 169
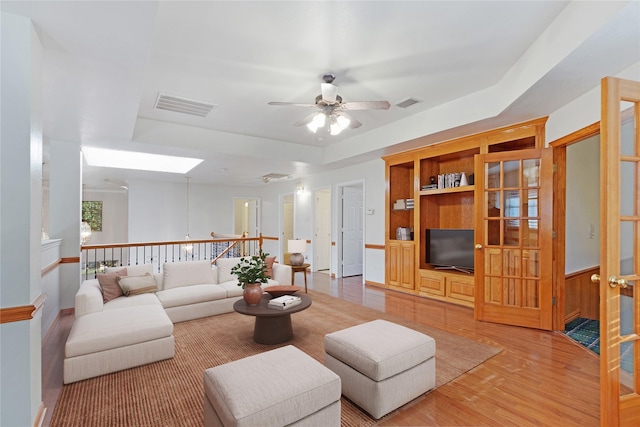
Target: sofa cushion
193, 294
135, 285
109, 284
177, 274
112, 329
132, 301
132, 270
231, 288
224, 269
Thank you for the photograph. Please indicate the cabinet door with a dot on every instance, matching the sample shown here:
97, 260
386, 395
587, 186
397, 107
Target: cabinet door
394, 263
513, 234
460, 287
408, 265
432, 282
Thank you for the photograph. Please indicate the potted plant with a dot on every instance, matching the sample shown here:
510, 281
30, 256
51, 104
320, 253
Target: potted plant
251, 271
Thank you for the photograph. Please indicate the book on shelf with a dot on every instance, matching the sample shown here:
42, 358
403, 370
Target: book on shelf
284, 302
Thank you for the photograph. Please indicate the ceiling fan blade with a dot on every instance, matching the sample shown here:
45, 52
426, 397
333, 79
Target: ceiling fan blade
366, 105
291, 104
329, 92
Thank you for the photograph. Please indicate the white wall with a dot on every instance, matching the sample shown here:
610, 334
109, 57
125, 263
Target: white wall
158, 210
583, 205
371, 174
584, 110
20, 218
115, 212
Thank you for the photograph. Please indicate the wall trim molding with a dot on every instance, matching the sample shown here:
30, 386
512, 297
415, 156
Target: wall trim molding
22, 312
371, 283
42, 410
373, 246
50, 267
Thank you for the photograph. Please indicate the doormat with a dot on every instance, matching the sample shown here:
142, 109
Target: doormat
587, 333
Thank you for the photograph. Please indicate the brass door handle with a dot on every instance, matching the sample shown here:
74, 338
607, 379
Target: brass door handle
478, 246
614, 281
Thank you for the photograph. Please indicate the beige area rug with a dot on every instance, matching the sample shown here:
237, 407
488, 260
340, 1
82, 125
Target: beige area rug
170, 392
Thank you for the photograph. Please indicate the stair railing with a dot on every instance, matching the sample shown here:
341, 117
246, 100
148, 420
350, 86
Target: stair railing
97, 258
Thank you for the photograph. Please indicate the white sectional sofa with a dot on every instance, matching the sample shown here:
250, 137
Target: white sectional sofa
133, 330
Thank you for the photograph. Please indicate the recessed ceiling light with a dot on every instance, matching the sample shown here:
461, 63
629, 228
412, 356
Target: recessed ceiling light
139, 161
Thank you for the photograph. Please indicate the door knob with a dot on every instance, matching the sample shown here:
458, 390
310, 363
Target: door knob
478, 246
614, 281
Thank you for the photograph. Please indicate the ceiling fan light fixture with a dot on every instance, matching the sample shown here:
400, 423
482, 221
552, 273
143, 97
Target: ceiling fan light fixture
343, 122
335, 126
317, 122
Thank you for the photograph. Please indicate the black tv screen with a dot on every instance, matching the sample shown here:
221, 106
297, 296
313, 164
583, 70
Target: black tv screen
450, 248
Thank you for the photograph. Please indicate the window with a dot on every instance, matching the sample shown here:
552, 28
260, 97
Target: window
92, 213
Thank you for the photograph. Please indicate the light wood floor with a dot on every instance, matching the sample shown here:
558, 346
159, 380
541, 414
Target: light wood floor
539, 379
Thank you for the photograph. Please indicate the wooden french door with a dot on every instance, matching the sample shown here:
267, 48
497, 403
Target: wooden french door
513, 232
620, 253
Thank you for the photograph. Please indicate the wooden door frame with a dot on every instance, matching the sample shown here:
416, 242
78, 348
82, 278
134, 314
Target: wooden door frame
559, 147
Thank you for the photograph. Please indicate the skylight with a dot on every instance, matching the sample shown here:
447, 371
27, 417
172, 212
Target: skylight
139, 161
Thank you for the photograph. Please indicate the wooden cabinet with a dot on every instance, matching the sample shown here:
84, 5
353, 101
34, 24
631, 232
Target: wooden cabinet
449, 286
410, 176
431, 283
401, 264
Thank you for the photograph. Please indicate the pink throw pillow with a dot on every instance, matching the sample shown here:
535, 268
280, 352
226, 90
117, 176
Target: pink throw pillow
109, 285
269, 261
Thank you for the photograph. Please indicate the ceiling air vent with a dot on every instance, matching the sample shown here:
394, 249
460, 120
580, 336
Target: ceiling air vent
408, 102
183, 105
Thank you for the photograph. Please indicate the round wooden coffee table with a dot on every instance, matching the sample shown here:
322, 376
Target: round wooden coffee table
272, 326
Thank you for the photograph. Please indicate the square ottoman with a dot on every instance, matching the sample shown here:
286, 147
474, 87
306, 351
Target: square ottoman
382, 365
279, 387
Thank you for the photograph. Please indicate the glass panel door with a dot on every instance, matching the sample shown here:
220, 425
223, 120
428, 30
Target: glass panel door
620, 253
514, 280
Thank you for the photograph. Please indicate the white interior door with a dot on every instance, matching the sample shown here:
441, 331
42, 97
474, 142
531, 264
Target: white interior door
322, 240
352, 231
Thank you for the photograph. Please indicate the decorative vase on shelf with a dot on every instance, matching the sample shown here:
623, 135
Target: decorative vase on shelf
463, 180
252, 294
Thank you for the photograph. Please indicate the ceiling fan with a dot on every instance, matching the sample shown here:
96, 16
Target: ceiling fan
332, 110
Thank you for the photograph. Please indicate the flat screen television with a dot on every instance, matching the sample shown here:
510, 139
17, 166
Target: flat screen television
450, 249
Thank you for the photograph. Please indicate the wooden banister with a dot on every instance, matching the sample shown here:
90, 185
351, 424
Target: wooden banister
96, 257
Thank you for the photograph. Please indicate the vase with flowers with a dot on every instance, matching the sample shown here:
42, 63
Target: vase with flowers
251, 272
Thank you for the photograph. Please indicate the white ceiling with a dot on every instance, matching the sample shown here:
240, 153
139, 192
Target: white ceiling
474, 65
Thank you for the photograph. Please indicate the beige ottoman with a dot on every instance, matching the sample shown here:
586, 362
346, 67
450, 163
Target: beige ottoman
114, 340
382, 365
280, 387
